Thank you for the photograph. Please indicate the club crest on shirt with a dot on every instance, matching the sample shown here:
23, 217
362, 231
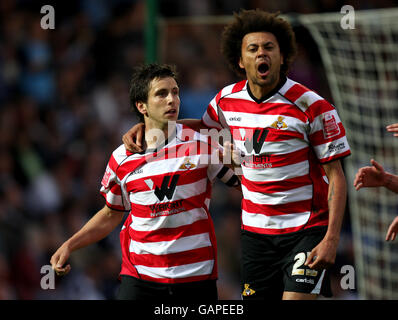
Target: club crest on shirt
187, 165
330, 126
279, 124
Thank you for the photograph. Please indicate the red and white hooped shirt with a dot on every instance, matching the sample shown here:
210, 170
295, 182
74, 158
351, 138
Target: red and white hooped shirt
285, 138
168, 236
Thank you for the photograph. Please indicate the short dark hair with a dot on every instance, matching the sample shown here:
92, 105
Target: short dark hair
141, 80
248, 21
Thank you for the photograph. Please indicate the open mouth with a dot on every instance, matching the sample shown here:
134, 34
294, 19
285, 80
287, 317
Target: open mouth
263, 69
171, 112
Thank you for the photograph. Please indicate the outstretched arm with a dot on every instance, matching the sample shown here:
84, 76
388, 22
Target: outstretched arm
375, 176
97, 228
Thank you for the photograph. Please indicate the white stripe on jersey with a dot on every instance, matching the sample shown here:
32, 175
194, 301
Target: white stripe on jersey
173, 246
277, 173
171, 221
253, 120
160, 167
282, 221
306, 99
186, 270
292, 195
181, 192
116, 200
330, 149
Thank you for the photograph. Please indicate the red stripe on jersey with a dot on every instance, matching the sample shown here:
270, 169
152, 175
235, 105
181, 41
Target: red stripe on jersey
239, 86
152, 211
277, 186
271, 231
295, 92
319, 107
218, 97
168, 234
180, 280
172, 259
318, 138
113, 165
212, 113
319, 218
277, 109
276, 210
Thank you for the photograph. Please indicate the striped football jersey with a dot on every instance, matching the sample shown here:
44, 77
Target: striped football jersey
285, 139
168, 235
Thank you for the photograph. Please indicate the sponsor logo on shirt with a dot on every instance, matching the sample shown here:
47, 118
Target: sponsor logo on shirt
257, 162
235, 119
167, 208
336, 147
167, 188
257, 140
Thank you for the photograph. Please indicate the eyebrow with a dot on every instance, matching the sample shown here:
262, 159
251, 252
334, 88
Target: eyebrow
160, 90
255, 44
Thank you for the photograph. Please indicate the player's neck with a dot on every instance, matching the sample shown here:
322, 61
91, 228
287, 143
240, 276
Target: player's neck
259, 91
157, 133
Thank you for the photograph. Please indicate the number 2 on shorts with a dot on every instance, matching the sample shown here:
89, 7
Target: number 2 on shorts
300, 260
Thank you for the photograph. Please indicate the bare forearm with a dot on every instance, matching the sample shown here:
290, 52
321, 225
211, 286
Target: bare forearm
97, 228
391, 182
337, 196
336, 201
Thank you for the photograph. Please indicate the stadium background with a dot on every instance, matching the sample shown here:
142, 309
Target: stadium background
64, 106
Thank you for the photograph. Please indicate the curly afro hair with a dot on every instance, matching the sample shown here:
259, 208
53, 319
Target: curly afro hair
248, 21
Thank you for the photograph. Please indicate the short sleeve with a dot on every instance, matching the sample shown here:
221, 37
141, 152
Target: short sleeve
327, 134
111, 189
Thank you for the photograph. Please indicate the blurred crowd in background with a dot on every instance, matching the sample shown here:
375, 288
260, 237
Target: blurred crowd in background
64, 106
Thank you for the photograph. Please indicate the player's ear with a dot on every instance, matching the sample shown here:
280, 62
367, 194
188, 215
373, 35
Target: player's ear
240, 63
141, 107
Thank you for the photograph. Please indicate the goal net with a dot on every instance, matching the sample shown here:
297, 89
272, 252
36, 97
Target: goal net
361, 66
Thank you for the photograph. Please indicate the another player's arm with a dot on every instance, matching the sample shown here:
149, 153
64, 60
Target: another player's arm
325, 251
375, 176
133, 139
97, 228
393, 128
